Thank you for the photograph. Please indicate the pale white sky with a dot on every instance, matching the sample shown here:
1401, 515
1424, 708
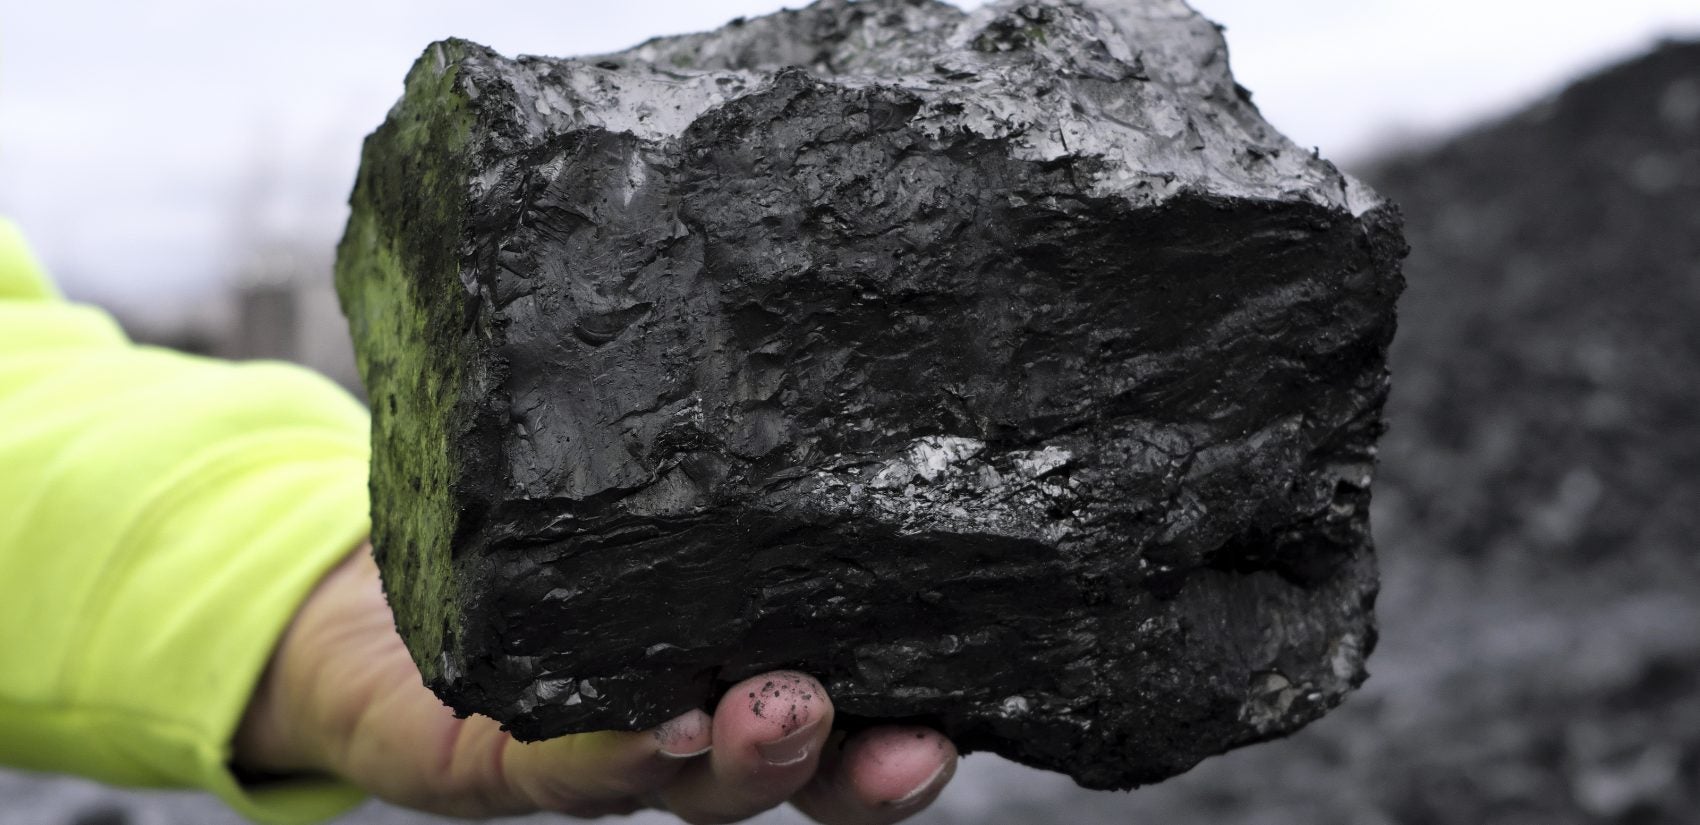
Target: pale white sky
144, 145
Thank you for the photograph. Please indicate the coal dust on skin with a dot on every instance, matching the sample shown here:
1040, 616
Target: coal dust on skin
794, 693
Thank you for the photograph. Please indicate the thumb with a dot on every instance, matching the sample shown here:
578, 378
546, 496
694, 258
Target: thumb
589, 774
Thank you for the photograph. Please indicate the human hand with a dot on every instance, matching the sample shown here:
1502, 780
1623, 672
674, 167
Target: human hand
343, 698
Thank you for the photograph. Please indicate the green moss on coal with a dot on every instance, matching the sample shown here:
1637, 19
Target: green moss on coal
398, 271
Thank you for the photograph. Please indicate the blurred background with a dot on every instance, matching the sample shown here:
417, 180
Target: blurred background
185, 164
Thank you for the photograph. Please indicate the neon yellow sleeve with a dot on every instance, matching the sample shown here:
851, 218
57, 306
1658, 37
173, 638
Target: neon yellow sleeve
162, 516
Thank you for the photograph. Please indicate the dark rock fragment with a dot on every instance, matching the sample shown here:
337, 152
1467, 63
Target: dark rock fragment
1004, 370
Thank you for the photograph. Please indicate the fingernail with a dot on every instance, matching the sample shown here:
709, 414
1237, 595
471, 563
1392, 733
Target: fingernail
667, 754
686, 731
791, 748
920, 792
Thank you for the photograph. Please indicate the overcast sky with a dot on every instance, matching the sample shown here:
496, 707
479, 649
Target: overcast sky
144, 145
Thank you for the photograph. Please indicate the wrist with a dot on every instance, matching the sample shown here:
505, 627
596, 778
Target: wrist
279, 734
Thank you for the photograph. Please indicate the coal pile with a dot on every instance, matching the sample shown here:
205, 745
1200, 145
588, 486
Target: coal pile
1548, 442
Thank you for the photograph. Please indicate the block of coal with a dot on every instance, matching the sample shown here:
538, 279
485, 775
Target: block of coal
1004, 369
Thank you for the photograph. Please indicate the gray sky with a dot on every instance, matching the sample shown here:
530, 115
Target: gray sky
145, 145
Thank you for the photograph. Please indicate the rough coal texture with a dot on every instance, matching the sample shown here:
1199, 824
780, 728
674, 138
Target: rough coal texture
1005, 370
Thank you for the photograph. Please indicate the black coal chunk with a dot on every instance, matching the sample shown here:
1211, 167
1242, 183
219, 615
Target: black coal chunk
1003, 369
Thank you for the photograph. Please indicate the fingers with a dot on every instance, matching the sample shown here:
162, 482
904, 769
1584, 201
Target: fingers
768, 736
765, 744
882, 775
374, 723
590, 774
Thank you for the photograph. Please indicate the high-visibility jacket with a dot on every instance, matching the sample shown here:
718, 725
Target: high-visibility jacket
162, 516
